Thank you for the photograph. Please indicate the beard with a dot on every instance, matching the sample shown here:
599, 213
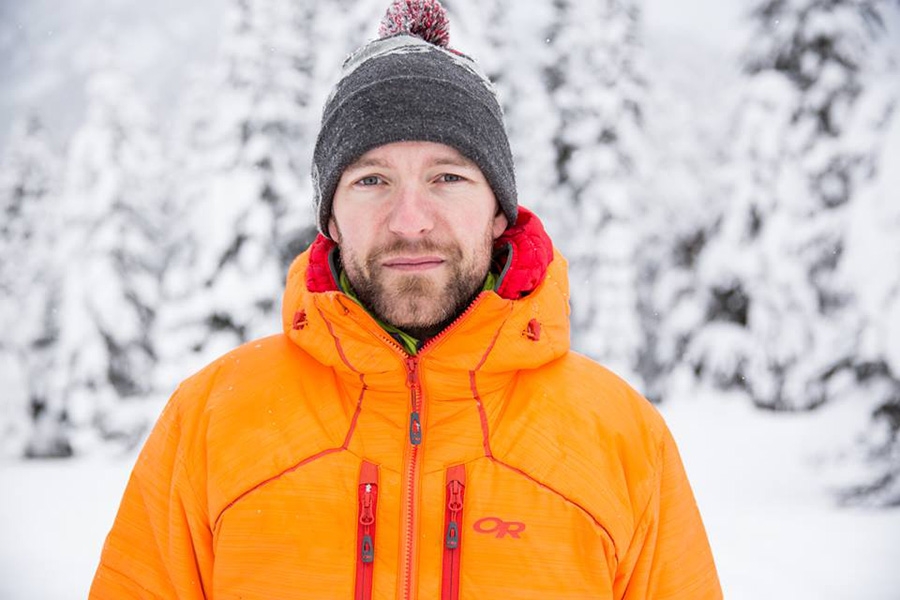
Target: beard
419, 304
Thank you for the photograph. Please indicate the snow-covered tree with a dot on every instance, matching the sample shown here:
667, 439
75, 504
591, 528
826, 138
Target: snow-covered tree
245, 196
685, 118
514, 48
779, 324
869, 270
110, 259
598, 89
29, 174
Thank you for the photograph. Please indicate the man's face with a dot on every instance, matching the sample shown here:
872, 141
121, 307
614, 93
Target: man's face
415, 222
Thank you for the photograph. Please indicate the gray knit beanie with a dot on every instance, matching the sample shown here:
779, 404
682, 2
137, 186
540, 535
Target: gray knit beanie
409, 86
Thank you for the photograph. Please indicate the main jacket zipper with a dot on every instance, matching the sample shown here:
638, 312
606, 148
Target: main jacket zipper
365, 544
407, 580
456, 487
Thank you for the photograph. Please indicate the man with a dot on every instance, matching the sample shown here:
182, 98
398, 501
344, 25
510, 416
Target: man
421, 428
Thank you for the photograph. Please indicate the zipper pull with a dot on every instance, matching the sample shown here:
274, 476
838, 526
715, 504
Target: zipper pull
452, 535
454, 506
365, 516
415, 429
412, 380
367, 494
367, 554
366, 519
412, 372
453, 519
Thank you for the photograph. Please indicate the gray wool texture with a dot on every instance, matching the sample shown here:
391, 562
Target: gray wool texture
402, 88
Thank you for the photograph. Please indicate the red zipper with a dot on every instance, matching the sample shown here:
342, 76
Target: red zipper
453, 521
365, 544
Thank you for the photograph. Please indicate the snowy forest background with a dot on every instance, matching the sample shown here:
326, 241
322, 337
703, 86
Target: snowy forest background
728, 201
722, 176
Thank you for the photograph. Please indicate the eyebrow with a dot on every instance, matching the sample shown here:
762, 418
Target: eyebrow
363, 163
462, 161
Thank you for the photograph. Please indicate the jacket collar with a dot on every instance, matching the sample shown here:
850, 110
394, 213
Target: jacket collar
522, 325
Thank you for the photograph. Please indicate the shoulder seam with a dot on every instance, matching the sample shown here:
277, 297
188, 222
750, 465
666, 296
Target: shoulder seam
309, 459
268, 480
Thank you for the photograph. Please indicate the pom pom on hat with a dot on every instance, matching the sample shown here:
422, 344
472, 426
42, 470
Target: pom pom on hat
426, 19
409, 85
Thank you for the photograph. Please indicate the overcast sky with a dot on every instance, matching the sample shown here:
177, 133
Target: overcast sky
46, 46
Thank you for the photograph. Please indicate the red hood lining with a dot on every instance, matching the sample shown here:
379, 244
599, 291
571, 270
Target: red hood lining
527, 245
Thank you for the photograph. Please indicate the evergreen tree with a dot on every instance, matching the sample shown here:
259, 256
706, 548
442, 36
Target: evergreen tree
778, 323
28, 195
516, 49
109, 264
246, 209
597, 86
686, 116
869, 270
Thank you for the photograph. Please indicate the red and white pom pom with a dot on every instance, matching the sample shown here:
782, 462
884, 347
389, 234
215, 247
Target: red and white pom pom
426, 19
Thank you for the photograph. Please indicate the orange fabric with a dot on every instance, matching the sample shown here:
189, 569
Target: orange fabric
248, 485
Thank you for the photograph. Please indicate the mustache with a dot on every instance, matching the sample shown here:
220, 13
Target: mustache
413, 247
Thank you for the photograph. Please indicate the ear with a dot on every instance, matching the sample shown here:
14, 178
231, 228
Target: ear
500, 223
333, 232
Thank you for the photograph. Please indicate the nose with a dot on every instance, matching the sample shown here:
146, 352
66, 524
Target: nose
411, 214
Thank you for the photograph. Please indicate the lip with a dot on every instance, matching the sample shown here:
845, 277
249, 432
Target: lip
413, 263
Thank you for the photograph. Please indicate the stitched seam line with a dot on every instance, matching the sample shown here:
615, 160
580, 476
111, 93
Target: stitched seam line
482, 415
561, 495
337, 341
485, 429
306, 461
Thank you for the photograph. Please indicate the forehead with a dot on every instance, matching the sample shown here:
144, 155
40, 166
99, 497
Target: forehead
412, 153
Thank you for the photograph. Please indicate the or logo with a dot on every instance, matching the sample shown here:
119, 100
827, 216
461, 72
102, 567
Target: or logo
499, 526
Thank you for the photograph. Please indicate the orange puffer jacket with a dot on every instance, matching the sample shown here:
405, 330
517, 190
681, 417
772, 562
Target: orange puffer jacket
328, 463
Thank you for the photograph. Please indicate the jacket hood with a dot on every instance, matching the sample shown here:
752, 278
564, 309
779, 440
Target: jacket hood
522, 325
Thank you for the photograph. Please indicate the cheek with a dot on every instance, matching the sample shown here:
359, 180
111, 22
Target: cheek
476, 224
349, 228
356, 243
475, 238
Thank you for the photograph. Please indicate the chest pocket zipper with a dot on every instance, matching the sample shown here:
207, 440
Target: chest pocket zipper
453, 526
365, 542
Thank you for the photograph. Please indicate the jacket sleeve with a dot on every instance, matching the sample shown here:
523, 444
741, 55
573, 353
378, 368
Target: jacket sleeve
160, 545
669, 556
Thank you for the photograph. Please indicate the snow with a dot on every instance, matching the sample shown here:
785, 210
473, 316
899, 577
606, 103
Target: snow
776, 532
775, 529
766, 483
54, 517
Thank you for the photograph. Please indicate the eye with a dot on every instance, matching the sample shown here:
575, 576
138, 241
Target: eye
450, 178
369, 180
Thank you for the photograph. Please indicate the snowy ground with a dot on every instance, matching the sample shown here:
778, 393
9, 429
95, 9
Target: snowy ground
758, 478
764, 483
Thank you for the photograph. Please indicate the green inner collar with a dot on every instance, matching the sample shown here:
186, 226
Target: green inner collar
409, 343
